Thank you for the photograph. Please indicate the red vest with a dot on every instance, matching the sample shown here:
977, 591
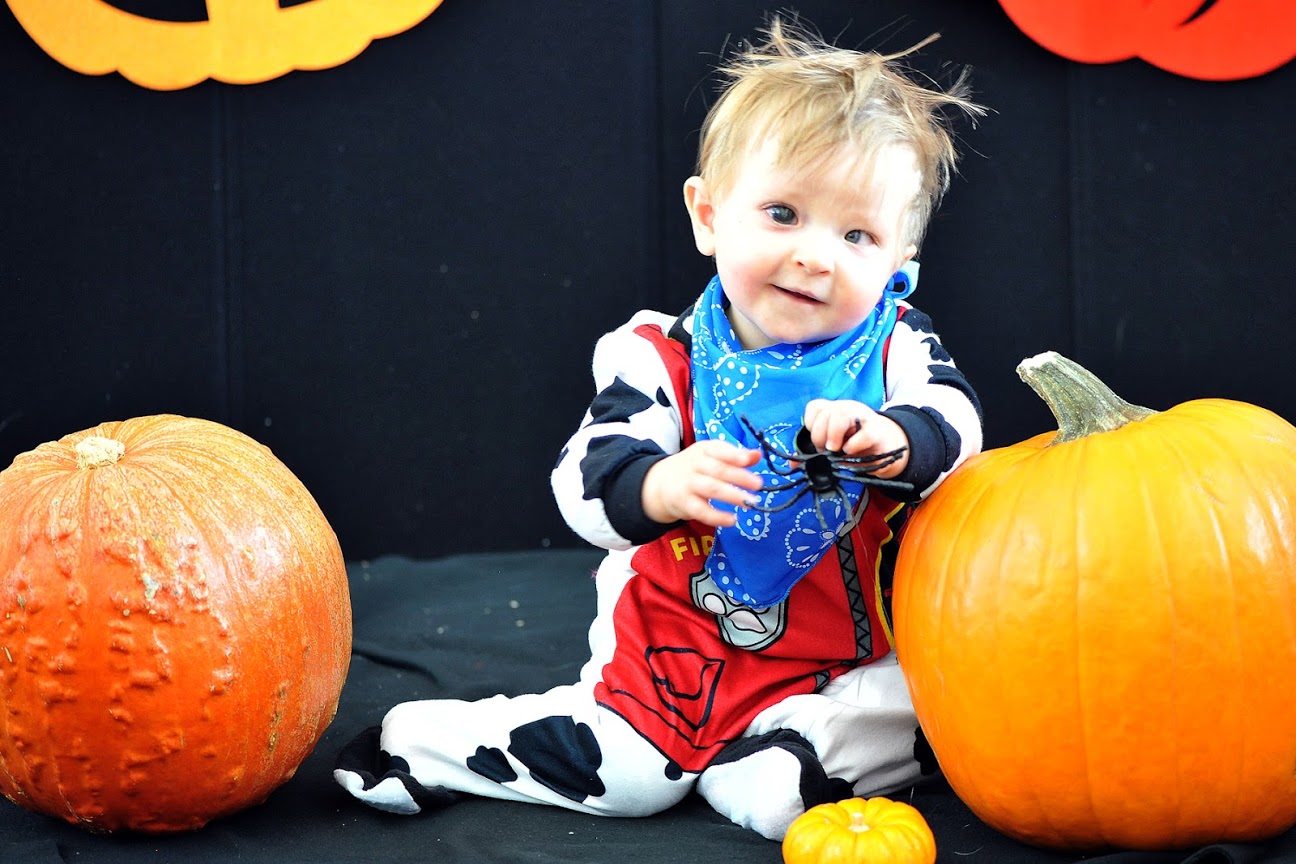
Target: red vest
691, 670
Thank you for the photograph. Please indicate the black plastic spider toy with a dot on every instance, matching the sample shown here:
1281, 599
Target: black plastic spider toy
821, 472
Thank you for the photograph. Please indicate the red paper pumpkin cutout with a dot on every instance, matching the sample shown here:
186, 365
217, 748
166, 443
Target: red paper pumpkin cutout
1223, 40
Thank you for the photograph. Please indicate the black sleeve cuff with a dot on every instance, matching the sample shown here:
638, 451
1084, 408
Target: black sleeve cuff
928, 448
623, 502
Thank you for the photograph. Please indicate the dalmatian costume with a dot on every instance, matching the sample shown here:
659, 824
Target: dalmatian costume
766, 708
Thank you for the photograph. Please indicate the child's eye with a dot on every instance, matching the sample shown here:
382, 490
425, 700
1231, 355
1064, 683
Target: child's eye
782, 214
857, 236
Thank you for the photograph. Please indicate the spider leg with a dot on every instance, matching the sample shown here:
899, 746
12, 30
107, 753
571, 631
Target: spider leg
869, 480
783, 472
858, 472
894, 485
795, 471
860, 469
766, 446
774, 508
874, 462
797, 483
837, 493
818, 501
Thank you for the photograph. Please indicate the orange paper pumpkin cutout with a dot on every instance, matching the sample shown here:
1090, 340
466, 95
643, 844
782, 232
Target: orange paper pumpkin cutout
241, 42
1223, 40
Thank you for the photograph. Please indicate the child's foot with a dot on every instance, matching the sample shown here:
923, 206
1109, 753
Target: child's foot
383, 781
765, 781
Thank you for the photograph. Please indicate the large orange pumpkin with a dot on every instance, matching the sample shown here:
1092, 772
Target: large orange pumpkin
175, 625
1098, 626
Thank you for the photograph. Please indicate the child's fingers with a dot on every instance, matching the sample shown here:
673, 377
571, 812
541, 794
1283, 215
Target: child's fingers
832, 423
814, 410
729, 464
729, 453
699, 505
882, 435
831, 428
860, 439
817, 423
709, 515
700, 509
738, 477
840, 428
718, 489
710, 471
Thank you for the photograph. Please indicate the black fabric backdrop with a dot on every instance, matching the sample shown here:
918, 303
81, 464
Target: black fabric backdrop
470, 626
393, 272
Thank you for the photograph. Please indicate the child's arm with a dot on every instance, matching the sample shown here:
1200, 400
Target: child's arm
622, 479
932, 401
929, 408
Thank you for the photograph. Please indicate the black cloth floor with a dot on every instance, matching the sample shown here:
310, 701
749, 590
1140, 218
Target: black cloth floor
467, 627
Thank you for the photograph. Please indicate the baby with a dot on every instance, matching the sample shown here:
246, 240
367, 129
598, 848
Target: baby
748, 464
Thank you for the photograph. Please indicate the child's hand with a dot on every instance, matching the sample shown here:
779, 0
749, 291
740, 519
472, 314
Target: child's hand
855, 429
682, 486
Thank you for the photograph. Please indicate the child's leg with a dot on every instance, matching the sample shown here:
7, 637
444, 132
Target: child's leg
862, 725
555, 748
857, 736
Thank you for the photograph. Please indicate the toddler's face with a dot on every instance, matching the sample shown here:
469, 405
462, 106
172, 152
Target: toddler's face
805, 255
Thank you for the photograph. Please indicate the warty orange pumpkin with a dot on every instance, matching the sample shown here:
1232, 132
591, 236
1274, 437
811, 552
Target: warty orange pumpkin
860, 831
1098, 625
175, 625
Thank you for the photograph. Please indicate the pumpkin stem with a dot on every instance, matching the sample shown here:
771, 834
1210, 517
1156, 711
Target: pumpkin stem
96, 451
1081, 403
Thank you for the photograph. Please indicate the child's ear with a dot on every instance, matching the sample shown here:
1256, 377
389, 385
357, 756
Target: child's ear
697, 198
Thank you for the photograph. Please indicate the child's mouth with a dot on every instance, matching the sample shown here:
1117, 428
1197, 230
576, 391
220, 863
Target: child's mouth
797, 295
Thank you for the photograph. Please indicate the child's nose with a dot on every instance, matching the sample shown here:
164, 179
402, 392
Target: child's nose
813, 254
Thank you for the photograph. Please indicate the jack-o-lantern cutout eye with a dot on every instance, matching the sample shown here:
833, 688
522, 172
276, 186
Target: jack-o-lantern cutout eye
1214, 40
235, 41
164, 10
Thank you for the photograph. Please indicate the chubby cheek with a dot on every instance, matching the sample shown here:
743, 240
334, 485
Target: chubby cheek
738, 276
846, 312
860, 304
750, 263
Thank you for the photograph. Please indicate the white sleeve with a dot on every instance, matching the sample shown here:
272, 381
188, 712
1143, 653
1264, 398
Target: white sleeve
923, 385
632, 423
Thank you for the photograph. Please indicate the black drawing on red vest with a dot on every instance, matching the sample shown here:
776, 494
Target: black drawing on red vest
740, 626
686, 682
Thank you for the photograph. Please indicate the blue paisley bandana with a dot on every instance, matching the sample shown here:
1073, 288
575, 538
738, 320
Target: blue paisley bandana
757, 561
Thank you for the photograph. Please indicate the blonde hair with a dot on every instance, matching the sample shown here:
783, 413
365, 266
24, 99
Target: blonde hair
817, 99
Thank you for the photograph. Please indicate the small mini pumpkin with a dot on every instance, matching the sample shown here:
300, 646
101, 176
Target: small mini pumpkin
175, 625
1097, 625
860, 831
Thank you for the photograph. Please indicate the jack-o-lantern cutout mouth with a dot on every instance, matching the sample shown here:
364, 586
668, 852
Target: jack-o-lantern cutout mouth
234, 41
1213, 40
178, 10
